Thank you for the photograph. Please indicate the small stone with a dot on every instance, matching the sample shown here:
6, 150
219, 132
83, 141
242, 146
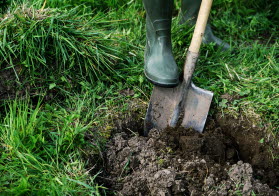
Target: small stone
169, 184
203, 161
247, 188
239, 162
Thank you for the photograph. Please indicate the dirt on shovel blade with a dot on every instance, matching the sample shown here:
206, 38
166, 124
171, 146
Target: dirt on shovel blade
227, 159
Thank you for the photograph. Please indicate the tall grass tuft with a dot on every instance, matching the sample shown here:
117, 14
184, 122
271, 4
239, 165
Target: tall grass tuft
57, 45
40, 151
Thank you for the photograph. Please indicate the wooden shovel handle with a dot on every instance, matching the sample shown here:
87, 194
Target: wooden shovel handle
200, 26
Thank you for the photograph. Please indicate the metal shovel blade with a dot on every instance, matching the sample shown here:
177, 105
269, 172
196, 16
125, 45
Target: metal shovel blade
196, 108
165, 108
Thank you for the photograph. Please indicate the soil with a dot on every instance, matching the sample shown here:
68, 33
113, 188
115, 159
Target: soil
227, 159
9, 86
13, 84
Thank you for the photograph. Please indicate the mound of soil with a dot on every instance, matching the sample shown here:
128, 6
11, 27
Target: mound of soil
226, 160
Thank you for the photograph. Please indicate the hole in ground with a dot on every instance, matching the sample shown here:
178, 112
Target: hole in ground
226, 159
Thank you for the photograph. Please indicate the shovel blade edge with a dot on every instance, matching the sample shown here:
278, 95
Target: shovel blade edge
196, 108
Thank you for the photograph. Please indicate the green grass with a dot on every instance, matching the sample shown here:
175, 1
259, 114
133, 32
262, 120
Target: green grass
62, 47
77, 60
41, 150
104, 5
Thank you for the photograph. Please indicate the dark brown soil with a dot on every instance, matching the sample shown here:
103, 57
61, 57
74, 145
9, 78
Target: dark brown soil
13, 85
9, 85
227, 159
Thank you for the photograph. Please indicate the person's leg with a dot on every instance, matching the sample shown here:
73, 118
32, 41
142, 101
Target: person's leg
160, 67
189, 11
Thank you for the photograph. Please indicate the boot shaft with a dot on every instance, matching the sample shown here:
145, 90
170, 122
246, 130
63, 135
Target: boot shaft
158, 9
160, 67
158, 17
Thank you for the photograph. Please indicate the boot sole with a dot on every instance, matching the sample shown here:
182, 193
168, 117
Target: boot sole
160, 84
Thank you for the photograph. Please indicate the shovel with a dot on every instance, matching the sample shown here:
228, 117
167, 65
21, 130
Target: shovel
185, 105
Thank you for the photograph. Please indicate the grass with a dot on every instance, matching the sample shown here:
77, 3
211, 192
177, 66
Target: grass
41, 150
61, 46
74, 61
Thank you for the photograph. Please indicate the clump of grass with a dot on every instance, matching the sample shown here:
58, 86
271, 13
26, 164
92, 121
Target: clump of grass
41, 150
61, 47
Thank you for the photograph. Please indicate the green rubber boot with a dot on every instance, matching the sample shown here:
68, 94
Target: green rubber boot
160, 67
189, 13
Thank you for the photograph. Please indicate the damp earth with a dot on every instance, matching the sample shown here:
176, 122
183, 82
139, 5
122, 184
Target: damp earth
229, 158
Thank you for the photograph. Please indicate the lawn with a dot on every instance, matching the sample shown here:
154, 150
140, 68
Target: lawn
70, 70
